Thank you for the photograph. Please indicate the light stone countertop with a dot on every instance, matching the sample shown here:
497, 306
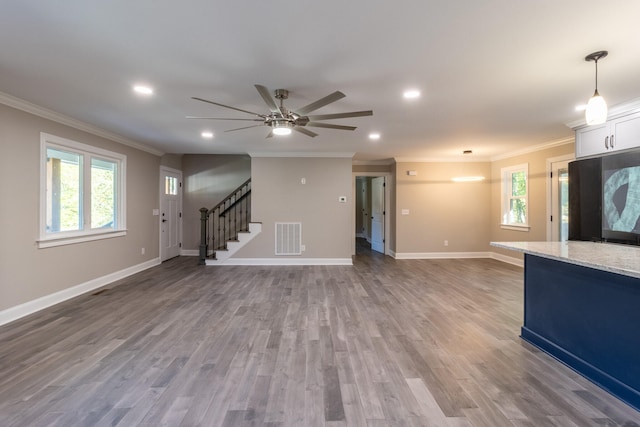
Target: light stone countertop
614, 258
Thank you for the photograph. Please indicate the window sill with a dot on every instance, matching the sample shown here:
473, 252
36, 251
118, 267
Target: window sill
50, 242
514, 227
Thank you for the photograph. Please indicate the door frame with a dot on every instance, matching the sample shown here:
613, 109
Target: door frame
549, 185
387, 208
160, 196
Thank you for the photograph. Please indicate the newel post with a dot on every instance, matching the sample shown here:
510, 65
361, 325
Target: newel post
203, 235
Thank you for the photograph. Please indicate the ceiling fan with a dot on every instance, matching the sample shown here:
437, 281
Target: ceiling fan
282, 120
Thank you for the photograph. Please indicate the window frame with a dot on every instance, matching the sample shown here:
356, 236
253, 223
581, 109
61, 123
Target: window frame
506, 195
86, 234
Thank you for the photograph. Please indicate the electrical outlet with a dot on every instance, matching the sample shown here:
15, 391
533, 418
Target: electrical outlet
142, 251
446, 243
303, 248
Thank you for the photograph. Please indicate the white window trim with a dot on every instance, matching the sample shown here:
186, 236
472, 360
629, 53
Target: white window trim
70, 237
504, 198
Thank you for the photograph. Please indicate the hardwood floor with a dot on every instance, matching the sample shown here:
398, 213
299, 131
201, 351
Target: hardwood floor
383, 343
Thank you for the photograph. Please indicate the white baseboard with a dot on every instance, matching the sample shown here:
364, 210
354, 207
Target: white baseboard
440, 255
283, 261
458, 255
189, 252
509, 260
18, 311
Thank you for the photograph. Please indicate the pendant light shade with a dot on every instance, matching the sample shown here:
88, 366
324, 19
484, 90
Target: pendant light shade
596, 112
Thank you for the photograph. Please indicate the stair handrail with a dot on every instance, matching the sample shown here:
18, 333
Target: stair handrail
230, 196
238, 200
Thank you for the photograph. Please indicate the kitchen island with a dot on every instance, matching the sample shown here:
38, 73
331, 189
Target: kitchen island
582, 306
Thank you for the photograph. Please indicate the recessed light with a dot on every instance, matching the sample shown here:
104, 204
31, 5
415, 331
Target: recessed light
207, 135
374, 136
143, 90
412, 94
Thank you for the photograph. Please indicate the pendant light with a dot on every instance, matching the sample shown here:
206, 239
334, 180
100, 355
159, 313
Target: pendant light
596, 112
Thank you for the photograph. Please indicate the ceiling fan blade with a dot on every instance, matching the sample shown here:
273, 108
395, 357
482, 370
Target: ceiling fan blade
305, 131
246, 127
320, 103
224, 118
228, 106
330, 126
341, 115
264, 93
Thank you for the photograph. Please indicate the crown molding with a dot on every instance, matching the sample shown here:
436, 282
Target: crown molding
45, 113
534, 148
383, 162
441, 160
301, 154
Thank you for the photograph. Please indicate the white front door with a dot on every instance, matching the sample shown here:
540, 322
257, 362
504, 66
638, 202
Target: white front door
559, 201
170, 213
377, 214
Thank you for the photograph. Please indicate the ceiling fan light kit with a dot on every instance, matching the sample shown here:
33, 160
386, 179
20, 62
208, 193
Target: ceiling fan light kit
596, 111
281, 127
283, 121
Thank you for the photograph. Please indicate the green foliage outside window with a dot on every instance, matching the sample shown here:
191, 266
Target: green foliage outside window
70, 203
65, 192
518, 205
103, 192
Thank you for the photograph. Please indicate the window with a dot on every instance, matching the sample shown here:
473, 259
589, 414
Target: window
515, 197
170, 185
82, 192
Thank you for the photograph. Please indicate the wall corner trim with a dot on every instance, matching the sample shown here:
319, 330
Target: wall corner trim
16, 312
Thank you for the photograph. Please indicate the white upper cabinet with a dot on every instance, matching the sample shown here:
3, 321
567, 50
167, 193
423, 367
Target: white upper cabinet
617, 134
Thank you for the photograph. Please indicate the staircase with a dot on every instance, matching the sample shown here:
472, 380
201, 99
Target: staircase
227, 227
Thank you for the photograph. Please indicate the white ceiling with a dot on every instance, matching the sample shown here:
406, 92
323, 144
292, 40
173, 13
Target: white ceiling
496, 76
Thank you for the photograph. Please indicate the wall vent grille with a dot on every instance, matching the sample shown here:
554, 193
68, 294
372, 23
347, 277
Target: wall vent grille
288, 238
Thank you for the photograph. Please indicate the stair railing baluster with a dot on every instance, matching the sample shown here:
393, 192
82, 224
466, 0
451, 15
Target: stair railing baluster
216, 226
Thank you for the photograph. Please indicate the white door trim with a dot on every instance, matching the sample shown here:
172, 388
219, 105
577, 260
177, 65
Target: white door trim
387, 208
549, 184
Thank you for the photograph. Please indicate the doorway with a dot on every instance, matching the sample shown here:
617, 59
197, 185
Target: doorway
170, 213
371, 221
558, 204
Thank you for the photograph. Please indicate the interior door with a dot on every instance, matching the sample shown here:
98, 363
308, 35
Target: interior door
377, 214
365, 209
560, 201
170, 213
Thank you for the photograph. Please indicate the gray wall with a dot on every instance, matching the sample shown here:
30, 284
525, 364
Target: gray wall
28, 273
279, 196
207, 180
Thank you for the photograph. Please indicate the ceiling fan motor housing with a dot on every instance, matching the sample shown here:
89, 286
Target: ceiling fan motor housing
281, 93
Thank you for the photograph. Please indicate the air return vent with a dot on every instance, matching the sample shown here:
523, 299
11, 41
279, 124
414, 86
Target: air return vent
288, 238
